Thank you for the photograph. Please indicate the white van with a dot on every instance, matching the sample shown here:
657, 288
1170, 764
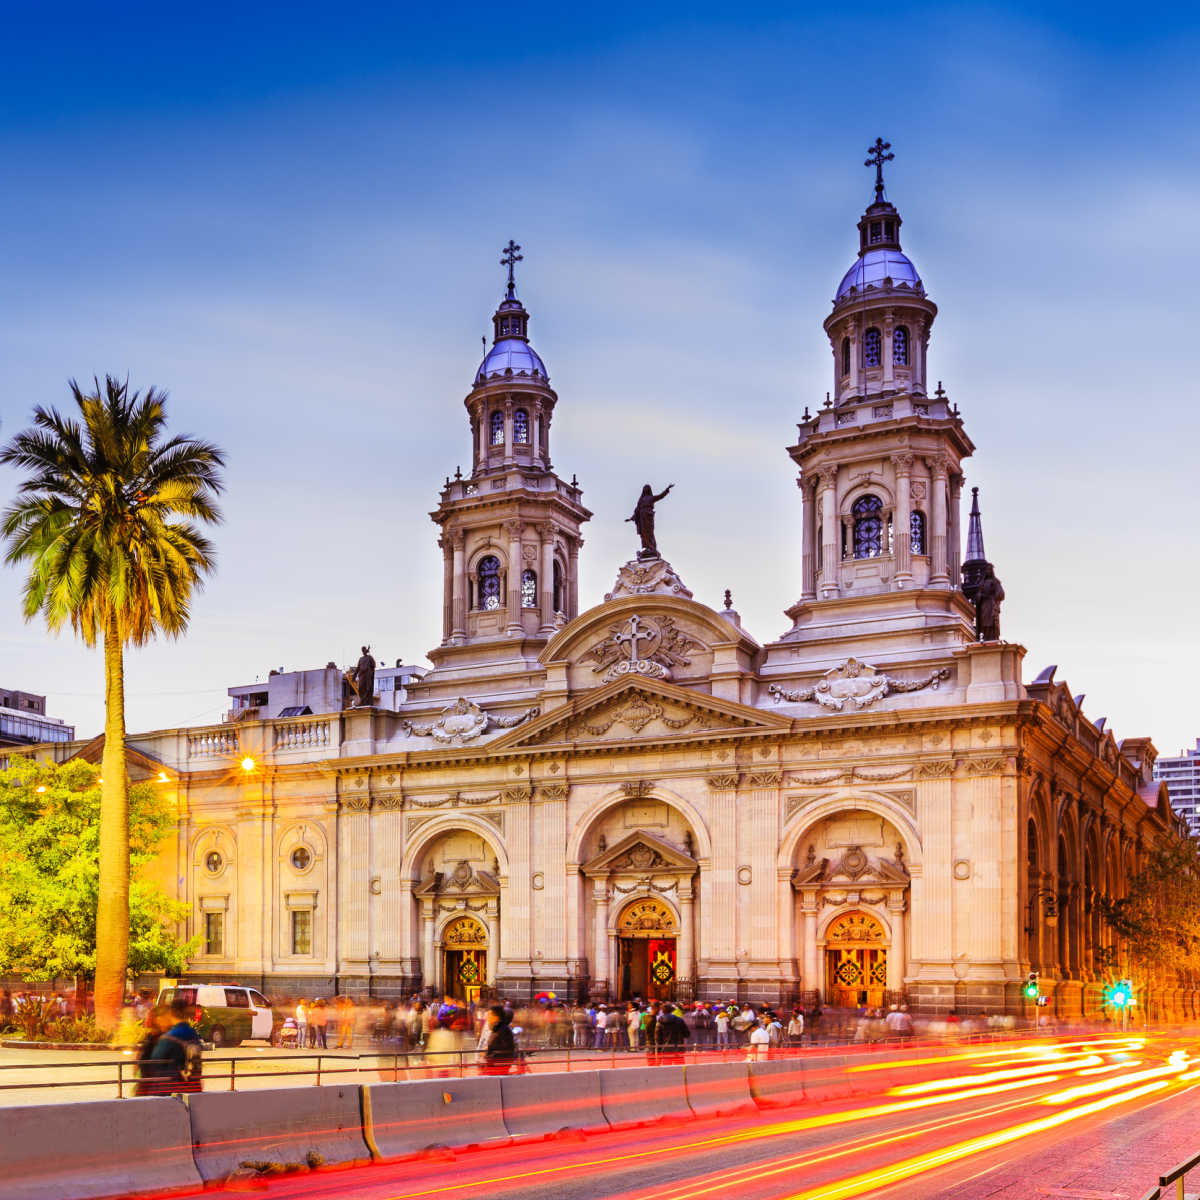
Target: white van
226, 1014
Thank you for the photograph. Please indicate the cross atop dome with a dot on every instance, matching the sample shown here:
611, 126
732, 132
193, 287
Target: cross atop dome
878, 156
510, 260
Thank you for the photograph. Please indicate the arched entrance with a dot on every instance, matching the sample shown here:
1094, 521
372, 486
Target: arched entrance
464, 958
856, 949
646, 953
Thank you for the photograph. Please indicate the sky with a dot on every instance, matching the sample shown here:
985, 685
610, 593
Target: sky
290, 218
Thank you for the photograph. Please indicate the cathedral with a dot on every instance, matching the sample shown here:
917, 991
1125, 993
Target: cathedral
633, 795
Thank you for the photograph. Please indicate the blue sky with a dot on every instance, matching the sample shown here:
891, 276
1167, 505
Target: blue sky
291, 219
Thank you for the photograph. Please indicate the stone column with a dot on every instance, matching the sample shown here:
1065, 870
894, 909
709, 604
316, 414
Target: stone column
897, 959
515, 567
406, 935
353, 882
852, 333
787, 924
809, 540
686, 966
903, 544
428, 967
953, 534
718, 883
492, 922
571, 583
940, 468
458, 629
889, 373
508, 429
916, 349
812, 961
481, 435
447, 588
546, 580
600, 900
831, 557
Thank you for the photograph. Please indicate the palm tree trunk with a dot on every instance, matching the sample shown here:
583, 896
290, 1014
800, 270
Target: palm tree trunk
112, 913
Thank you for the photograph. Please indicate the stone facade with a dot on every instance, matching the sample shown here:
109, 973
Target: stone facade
642, 798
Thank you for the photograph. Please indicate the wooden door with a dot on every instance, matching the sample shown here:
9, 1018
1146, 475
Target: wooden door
855, 961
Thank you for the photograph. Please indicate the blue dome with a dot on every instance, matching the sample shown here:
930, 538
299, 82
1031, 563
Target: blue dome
511, 354
873, 267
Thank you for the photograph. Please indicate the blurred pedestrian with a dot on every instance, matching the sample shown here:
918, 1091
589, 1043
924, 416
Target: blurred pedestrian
174, 1063
501, 1050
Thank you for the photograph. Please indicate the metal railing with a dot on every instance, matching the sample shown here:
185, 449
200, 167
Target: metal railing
1177, 1176
225, 1074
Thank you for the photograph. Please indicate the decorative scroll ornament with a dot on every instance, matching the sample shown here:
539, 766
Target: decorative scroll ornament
648, 647
857, 684
464, 721
638, 712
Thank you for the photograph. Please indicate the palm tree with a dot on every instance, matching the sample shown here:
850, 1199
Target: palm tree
107, 520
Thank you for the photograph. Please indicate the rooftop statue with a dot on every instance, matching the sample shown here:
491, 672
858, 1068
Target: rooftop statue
362, 679
988, 595
643, 519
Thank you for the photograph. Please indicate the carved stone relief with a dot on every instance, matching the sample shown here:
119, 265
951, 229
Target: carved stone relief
856, 684
645, 646
464, 721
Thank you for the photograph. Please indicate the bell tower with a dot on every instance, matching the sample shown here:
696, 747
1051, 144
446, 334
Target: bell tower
881, 461
510, 529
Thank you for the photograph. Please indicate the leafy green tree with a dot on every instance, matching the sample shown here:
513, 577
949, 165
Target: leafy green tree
1158, 918
108, 523
49, 873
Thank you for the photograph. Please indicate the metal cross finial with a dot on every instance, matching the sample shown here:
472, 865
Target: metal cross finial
879, 156
510, 260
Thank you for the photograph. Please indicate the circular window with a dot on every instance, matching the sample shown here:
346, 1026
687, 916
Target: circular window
301, 858
213, 862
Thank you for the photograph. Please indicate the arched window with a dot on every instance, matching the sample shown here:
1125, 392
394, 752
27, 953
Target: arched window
900, 345
528, 588
488, 573
520, 426
558, 587
872, 347
497, 428
868, 527
845, 356
916, 532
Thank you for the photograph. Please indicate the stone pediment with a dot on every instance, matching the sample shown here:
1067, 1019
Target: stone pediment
641, 710
641, 852
462, 880
855, 866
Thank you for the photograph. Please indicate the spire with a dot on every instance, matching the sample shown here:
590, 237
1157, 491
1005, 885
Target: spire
878, 156
975, 532
511, 320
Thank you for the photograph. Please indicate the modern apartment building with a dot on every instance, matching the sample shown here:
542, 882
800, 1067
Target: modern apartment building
1181, 774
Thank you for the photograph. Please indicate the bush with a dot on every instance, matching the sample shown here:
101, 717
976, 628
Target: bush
78, 1029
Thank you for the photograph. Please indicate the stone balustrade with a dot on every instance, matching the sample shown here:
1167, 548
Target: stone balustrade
213, 743
301, 735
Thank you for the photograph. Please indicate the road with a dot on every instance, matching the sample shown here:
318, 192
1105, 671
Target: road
1095, 1120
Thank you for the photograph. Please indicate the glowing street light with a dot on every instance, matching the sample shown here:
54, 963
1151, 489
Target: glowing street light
247, 763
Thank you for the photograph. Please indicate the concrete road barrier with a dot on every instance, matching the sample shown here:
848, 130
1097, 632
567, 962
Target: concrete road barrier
541, 1105
637, 1095
777, 1083
406, 1118
718, 1088
825, 1078
96, 1148
281, 1125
